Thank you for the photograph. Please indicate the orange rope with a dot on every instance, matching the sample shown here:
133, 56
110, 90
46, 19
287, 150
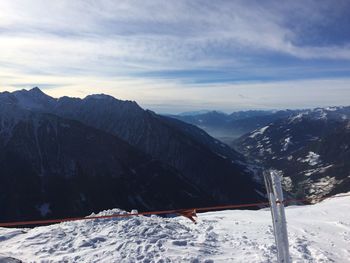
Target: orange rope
163, 212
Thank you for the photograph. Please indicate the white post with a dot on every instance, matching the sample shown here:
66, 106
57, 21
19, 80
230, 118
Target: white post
275, 195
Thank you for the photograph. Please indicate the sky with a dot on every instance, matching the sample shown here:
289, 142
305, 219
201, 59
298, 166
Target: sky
175, 56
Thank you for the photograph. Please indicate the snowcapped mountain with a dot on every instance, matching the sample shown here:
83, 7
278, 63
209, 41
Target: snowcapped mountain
311, 149
99, 144
317, 233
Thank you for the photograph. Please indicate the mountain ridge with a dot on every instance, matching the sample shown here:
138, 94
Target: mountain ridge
214, 172
310, 149
73, 169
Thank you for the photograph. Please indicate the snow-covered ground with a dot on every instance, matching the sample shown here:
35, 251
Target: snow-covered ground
317, 233
258, 131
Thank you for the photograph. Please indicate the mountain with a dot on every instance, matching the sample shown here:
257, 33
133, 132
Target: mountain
311, 149
193, 113
54, 167
213, 169
206, 118
197, 164
244, 123
228, 127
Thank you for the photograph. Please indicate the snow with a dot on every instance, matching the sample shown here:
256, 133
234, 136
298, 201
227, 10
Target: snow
269, 150
287, 183
297, 117
323, 186
317, 233
222, 156
286, 143
332, 108
259, 131
322, 114
9, 260
317, 170
312, 159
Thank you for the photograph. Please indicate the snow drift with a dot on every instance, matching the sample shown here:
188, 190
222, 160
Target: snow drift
317, 233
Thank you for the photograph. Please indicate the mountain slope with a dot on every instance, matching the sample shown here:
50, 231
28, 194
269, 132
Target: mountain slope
310, 148
214, 168
52, 167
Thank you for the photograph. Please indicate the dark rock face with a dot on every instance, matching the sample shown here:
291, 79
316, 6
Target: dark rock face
311, 149
185, 147
67, 157
55, 167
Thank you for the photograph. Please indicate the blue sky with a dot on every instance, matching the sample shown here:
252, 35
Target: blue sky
174, 56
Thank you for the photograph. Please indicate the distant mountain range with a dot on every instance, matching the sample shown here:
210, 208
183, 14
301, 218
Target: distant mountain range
70, 156
310, 148
228, 127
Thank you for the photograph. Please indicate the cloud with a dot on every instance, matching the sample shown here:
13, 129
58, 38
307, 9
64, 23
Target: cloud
267, 95
164, 31
82, 43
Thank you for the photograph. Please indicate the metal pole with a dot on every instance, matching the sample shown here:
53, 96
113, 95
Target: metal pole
275, 195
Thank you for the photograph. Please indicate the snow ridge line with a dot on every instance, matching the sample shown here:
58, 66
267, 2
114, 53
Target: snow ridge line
163, 212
